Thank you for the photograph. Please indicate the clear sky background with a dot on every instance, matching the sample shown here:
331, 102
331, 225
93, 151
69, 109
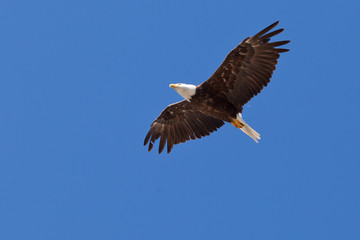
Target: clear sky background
81, 82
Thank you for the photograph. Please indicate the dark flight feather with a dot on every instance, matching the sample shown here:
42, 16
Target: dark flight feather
248, 68
185, 120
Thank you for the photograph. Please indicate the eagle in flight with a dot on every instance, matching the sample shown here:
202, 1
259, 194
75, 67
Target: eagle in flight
243, 74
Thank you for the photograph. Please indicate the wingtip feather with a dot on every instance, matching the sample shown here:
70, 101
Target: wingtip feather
265, 30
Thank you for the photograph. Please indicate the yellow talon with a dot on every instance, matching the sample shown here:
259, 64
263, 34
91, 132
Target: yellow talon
236, 123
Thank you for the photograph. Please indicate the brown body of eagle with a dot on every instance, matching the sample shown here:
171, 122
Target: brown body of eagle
246, 70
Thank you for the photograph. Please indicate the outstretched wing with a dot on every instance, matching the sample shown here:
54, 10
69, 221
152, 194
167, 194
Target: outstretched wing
247, 68
180, 122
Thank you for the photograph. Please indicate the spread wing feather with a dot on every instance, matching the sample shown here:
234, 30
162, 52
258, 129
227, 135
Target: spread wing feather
247, 69
178, 123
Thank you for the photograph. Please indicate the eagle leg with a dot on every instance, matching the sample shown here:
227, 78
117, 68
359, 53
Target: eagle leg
236, 123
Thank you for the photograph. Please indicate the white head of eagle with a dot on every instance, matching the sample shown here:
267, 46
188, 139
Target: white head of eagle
185, 90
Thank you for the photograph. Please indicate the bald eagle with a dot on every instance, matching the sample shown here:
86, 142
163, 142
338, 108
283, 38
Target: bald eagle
243, 74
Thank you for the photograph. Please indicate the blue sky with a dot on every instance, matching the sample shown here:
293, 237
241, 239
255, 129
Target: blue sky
81, 82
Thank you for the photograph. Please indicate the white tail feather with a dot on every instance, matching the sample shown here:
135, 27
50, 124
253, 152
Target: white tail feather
248, 130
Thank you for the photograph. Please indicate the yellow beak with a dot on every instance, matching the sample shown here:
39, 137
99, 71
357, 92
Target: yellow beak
172, 85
